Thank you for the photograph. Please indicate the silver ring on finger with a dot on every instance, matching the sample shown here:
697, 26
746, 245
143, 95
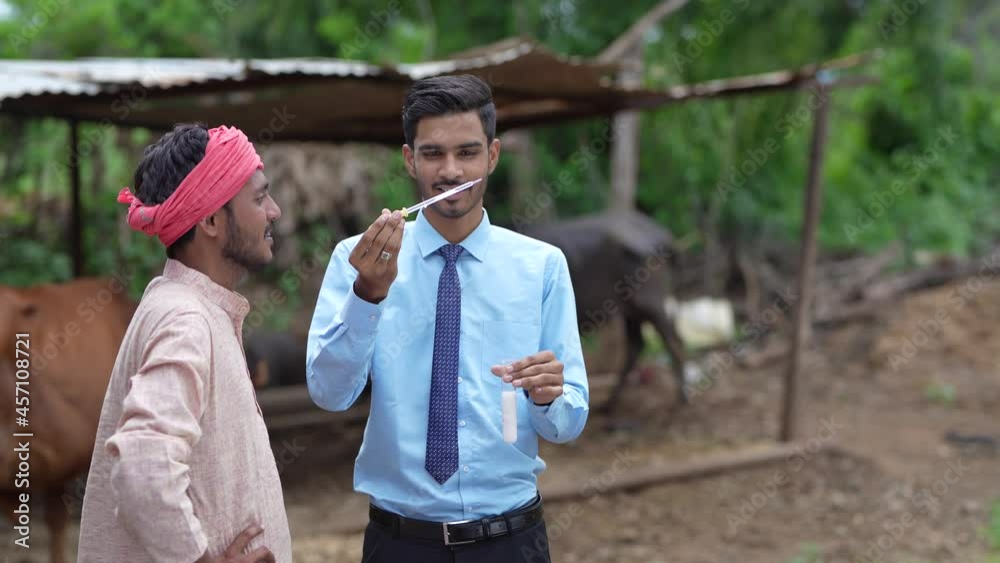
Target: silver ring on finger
385, 256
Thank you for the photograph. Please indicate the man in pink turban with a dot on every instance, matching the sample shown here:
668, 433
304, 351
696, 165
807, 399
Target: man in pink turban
182, 468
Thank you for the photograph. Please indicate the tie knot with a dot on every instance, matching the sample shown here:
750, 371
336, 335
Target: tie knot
451, 252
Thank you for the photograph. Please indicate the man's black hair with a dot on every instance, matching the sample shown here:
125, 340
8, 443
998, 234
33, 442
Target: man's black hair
443, 95
165, 164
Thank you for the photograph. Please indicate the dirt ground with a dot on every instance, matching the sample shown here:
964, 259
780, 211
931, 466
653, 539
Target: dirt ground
886, 392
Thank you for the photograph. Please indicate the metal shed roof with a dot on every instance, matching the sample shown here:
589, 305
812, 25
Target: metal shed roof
331, 99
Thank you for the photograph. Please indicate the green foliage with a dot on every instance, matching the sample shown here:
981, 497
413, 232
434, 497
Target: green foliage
808, 553
910, 158
941, 393
992, 531
396, 189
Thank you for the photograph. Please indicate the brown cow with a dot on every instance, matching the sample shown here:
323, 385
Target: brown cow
75, 330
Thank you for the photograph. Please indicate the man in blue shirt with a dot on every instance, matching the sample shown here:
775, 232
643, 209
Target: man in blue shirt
433, 310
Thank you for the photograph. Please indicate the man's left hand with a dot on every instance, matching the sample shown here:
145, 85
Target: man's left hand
540, 374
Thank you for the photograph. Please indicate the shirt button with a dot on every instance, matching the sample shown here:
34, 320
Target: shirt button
460, 379
461, 423
466, 469
371, 317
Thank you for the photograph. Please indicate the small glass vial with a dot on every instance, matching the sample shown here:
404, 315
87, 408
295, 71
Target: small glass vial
509, 400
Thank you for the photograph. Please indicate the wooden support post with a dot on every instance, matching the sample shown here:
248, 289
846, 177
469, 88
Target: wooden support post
75, 235
807, 255
625, 146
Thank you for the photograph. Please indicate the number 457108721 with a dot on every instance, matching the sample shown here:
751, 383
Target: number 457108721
22, 362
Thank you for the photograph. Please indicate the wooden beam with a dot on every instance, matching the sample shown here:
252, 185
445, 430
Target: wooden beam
286, 400
637, 478
664, 473
807, 263
314, 417
75, 235
779, 80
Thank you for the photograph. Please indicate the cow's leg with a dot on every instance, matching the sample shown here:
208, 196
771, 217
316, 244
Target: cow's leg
56, 517
675, 347
635, 344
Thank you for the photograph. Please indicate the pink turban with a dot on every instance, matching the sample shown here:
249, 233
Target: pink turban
230, 160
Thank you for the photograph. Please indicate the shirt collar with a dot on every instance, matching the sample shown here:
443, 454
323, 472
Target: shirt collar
429, 240
234, 304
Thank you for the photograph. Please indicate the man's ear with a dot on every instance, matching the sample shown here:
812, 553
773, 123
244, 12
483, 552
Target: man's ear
408, 160
494, 154
212, 225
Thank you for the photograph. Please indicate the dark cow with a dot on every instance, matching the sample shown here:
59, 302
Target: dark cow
75, 331
619, 262
275, 359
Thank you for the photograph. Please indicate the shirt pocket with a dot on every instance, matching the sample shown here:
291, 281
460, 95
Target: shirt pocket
505, 341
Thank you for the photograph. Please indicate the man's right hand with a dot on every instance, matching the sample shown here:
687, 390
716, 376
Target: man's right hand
375, 275
234, 553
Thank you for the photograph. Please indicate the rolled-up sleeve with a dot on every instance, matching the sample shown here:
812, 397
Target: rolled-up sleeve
564, 419
341, 338
151, 447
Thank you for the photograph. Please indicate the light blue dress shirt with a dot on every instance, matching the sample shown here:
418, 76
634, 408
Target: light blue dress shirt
517, 299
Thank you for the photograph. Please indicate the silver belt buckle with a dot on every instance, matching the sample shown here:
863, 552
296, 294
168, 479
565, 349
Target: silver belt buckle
447, 535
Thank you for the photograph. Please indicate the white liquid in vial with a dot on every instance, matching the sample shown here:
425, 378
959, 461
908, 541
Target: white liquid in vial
509, 416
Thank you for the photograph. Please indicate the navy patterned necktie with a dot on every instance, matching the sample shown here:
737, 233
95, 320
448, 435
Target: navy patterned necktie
442, 428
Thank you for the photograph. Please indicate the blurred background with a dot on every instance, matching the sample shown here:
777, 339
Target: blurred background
862, 429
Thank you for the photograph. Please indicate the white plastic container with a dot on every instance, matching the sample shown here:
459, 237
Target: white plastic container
509, 399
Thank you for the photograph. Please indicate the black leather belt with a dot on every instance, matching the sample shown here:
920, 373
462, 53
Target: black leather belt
463, 531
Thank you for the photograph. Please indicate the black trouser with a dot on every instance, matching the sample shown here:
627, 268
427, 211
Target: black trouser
530, 545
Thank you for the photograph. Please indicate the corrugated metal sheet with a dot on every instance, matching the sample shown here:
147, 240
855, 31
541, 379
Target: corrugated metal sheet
14, 84
91, 76
37, 77
117, 72
333, 99
499, 56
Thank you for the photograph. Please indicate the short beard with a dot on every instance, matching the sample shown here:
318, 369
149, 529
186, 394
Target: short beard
443, 209
239, 249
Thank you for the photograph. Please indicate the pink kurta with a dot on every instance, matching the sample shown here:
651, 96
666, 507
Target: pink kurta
182, 461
